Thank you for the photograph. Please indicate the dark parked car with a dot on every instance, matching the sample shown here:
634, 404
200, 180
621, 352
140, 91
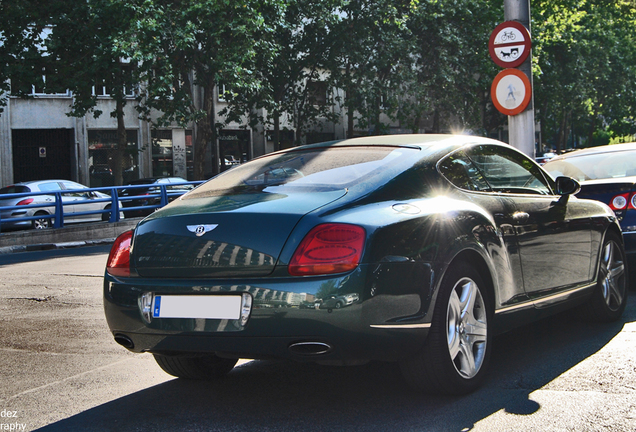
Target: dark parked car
606, 174
440, 242
150, 197
75, 201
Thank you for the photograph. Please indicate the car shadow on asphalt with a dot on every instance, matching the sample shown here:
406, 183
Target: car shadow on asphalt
46, 254
288, 396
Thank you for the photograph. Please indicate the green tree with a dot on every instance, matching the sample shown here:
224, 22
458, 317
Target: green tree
453, 70
291, 72
369, 56
85, 49
413, 60
186, 48
585, 69
23, 30
67, 45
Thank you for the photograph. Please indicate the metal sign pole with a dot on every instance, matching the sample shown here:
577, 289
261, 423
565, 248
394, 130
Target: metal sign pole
521, 126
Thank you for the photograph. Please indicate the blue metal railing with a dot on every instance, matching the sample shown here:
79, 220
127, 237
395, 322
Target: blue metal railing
53, 203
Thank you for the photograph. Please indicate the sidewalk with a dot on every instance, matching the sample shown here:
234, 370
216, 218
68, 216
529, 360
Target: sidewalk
71, 236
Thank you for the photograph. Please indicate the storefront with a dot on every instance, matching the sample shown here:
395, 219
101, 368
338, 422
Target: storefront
234, 147
104, 160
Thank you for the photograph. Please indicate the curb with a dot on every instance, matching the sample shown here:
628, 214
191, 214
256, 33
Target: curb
64, 238
50, 246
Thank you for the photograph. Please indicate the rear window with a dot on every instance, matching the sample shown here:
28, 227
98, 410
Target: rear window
316, 169
616, 164
14, 189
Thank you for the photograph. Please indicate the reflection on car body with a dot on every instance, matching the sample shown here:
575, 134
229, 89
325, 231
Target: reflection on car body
415, 249
337, 302
150, 196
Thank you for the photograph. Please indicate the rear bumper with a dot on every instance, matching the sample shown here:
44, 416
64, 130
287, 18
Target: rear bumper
386, 326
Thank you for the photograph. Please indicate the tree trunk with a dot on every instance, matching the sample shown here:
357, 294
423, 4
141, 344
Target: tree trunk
122, 143
590, 135
276, 137
436, 121
206, 136
350, 119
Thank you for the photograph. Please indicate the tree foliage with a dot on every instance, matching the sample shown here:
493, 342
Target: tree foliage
184, 49
585, 69
384, 62
22, 35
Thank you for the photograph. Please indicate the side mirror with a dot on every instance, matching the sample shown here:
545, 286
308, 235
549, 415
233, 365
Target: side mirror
567, 186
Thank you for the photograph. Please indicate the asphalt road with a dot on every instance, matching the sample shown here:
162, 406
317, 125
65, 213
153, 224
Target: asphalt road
60, 370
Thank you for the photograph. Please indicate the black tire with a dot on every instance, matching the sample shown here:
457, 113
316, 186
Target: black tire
43, 223
609, 298
457, 350
206, 367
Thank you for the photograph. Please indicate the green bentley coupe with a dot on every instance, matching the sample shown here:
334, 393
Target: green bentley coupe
413, 249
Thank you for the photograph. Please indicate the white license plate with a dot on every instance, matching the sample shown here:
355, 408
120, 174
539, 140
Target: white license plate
196, 306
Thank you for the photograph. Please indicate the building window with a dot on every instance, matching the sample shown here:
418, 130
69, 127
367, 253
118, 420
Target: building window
224, 93
103, 87
317, 92
39, 88
318, 137
161, 153
234, 147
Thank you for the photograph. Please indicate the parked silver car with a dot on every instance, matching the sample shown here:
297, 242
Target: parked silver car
75, 202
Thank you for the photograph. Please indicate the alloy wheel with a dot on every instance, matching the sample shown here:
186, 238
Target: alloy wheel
613, 276
467, 328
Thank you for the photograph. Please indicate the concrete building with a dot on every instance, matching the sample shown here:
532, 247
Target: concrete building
38, 140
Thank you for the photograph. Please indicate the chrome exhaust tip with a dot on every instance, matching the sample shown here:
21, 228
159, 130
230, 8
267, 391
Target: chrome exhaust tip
310, 348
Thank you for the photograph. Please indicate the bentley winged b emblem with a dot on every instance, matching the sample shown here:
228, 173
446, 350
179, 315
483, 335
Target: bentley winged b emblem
199, 230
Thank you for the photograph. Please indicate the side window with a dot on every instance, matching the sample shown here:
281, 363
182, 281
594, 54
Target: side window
460, 171
72, 186
509, 171
50, 186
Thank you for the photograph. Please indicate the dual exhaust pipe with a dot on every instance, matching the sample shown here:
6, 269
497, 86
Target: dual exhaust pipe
307, 348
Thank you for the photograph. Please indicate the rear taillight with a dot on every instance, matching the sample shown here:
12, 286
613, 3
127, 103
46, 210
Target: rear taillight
623, 201
119, 258
26, 201
619, 202
328, 249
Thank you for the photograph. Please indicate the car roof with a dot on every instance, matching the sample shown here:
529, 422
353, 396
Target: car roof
415, 140
150, 180
39, 182
597, 150
438, 143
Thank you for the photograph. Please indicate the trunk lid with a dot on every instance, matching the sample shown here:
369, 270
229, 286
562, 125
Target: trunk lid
221, 236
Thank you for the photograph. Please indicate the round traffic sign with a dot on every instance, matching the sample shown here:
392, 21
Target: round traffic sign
511, 91
509, 44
